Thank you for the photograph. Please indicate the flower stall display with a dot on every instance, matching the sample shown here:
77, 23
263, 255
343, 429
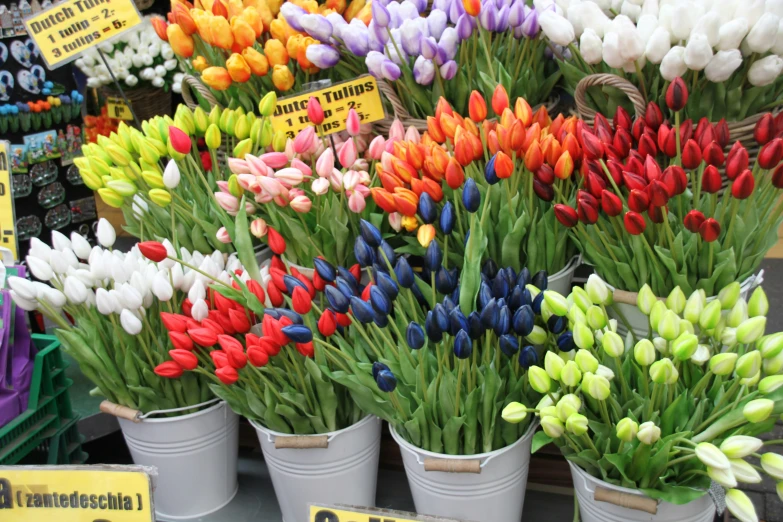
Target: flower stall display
674, 412
729, 53
38, 114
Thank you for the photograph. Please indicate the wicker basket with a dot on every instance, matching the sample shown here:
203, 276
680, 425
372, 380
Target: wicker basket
147, 102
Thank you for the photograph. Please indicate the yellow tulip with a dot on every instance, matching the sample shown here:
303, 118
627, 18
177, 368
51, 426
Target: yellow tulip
216, 77
244, 34
159, 145
241, 129
202, 19
237, 68
122, 187
99, 166
199, 63
117, 174
182, 44
409, 223
153, 179
125, 136
82, 162
201, 120
280, 30
253, 18
212, 137
425, 235
257, 62
110, 197
183, 117
214, 115
274, 6
149, 167
91, 180
160, 197
282, 78
132, 171
267, 104
220, 32
275, 52
267, 133
235, 8
243, 148
279, 141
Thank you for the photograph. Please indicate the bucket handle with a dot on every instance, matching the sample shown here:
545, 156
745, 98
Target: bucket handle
626, 500
124, 412
453, 465
301, 442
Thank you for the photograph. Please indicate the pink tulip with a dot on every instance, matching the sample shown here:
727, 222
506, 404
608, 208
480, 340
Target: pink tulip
258, 227
336, 179
325, 163
294, 192
227, 202
289, 151
248, 182
412, 134
289, 176
386, 160
397, 131
257, 165
263, 198
356, 202
276, 160
362, 189
395, 221
305, 141
361, 142
376, 148
350, 179
364, 177
389, 146
223, 186
270, 185
238, 166
347, 154
250, 208
360, 164
301, 204
302, 166
352, 123
222, 235
320, 186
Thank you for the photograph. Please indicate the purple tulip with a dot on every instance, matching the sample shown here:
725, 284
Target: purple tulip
293, 14
322, 56
394, 12
516, 13
411, 38
441, 5
374, 62
397, 57
408, 10
380, 15
378, 33
488, 15
448, 70
500, 3
464, 27
356, 39
530, 27
448, 42
455, 10
317, 26
502, 22
436, 21
519, 33
421, 5
423, 71
390, 70
429, 47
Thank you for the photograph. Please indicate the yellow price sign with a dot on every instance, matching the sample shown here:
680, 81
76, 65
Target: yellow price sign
7, 221
74, 494
360, 94
69, 28
118, 109
319, 513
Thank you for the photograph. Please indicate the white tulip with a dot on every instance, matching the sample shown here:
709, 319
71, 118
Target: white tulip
217, 258
673, 64
53, 296
154, 50
70, 258
556, 28
176, 87
765, 71
631, 10
732, 33
106, 234
75, 290
118, 272
744, 472
591, 48
131, 297
740, 446
39, 268
104, 301
85, 276
682, 21
645, 27
88, 59
160, 70
25, 304
177, 276
711, 456
158, 82
81, 246
774, 7
761, 38
777, 47
724, 477
60, 241
147, 59
23, 288
709, 25
197, 291
131, 80
161, 287
166, 52
116, 301
170, 65
750, 11
148, 73
137, 60
130, 323
658, 45
171, 175
723, 65
611, 50
632, 47
650, 7
199, 311
39, 249
698, 52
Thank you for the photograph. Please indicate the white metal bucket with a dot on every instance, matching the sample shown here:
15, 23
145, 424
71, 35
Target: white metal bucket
196, 457
700, 510
343, 472
495, 494
561, 281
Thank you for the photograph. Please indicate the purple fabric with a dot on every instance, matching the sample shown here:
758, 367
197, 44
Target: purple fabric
10, 406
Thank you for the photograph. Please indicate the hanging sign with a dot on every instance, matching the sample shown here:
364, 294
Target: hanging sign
7, 221
118, 109
360, 94
325, 513
75, 494
69, 28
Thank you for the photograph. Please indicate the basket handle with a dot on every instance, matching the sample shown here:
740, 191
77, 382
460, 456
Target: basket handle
121, 412
191, 82
400, 112
302, 442
626, 500
580, 94
452, 465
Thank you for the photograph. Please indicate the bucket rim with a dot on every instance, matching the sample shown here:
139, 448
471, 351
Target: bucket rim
404, 444
189, 416
749, 283
570, 267
331, 435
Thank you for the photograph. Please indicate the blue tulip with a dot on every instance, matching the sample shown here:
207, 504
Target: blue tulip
471, 197
370, 233
509, 345
445, 280
501, 303
337, 300
484, 295
511, 276
458, 321
414, 335
380, 319
503, 322
524, 320
363, 252
325, 270
489, 171
475, 328
387, 284
404, 273
433, 257
298, 333
362, 310
348, 276
528, 357
500, 286
431, 327
346, 288
386, 250
419, 296
455, 292
539, 299
463, 346
448, 304
273, 312
295, 317
447, 218
291, 282
380, 301
427, 208
556, 324
523, 279
540, 280
489, 314
378, 367
516, 299
566, 342
490, 269
441, 317
380, 267
386, 381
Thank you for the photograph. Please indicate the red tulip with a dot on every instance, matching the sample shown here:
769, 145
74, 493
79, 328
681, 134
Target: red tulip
647, 146
276, 241
653, 116
314, 111
622, 142
635, 165
638, 128
219, 357
591, 146
186, 307
275, 295
722, 133
546, 174
222, 303
301, 301
638, 200
356, 271
711, 180
366, 292
664, 133
225, 322
634, 182
771, 154
586, 212
228, 343
343, 319
693, 220
709, 230
600, 122
318, 283
566, 215
652, 170
174, 322
305, 349
686, 130
706, 137
765, 129
270, 346
713, 154
211, 323
499, 100
675, 180
691, 155
236, 358
256, 289
594, 184
179, 141
634, 223
257, 357
239, 321
738, 161
327, 324
743, 186
184, 358
272, 328
169, 369
251, 340
203, 336
611, 203
677, 95
655, 213
659, 194
278, 264
153, 250
534, 158
227, 374
543, 191
615, 171
181, 341
622, 120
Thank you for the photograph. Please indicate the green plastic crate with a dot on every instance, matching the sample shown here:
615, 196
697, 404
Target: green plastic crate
49, 411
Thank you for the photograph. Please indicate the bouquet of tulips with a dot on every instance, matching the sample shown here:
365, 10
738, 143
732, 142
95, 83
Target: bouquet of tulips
650, 208
678, 410
121, 306
729, 52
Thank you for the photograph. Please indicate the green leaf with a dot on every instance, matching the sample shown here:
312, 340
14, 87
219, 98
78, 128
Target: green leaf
540, 439
451, 436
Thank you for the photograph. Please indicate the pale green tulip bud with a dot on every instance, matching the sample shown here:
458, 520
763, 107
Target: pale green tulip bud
648, 433
710, 455
596, 317
701, 355
693, 308
710, 315
751, 382
644, 353
724, 477
779, 489
556, 302
577, 424
740, 446
729, 295
661, 371
583, 336
728, 337
586, 361
658, 309
546, 312
627, 429
770, 384
566, 408
749, 364
514, 413
744, 472
243, 148
279, 141
723, 363
549, 411
575, 314
772, 463
612, 325
586, 379
552, 426
573, 400
242, 129
534, 291
738, 313
685, 346
571, 375
645, 299
200, 120
758, 410
676, 300
662, 345
669, 326
771, 345
751, 329
740, 505
538, 336
538, 379
718, 331
597, 290
553, 365
581, 299
184, 116
612, 344
674, 376
686, 327
758, 305
774, 365
543, 404
605, 372
598, 388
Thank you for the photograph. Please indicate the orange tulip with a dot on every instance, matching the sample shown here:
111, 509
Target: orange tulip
463, 151
449, 125
470, 126
353, 9
238, 69
499, 99
533, 134
443, 106
440, 157
219, 9
477, 106
507, 117
492, 142
159, 24
478, 147
389, 181
235, 8
256, 61
552, 150
472, 7
504, 167
516, 135
216, 77
251, 17
523, 112
301, 53
455, 176
564, 166
365, 14
504, 138
384, 199
199, 63
181, 43
220, 32
556, 125
415, 156
336, 5
275, 52
406, 201
425, 235
280, 29
534, 157
244, 35
293, 44
542, 117
183, 18
571, 145
403, 170
274, 5
428, 169
282, 78
434, 130
202, 20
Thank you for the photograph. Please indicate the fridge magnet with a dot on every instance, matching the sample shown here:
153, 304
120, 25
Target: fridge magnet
21, 185
22, 53
33, 80
6, 85
28, 226
83, 210
42, 146
43, 173
58, 217
73, 176
3, 53
51, 195
19, 158
6, 21
70, 144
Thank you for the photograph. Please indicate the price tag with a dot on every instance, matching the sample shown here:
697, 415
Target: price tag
320, 513
69, 28
118, 109
7, 221
75, 494
360, 94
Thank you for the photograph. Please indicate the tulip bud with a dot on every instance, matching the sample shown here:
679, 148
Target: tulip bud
644, 353
266, 107
553, 427
538, 379
685, 346
710, 315
724, 477
556, 302
575, 315
661, 371
693, 308
740, 446
580, 298
627, 429
773, 465
577, 424
596, 317
613, 344
648, 433
758, 305
570, 375
538, 336
736, 500
744, 472
658, 309
553, 364
729, 295
597, 290
711, 456
676, 300
749, 364
751, 329
566, 408
598, 388
770, 384
774, 365
669, 325
583, 336
514, 413
645, 299
758, 410
723, 363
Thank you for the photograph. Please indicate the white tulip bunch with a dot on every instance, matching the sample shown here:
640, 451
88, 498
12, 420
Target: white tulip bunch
139, 56
734, 43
